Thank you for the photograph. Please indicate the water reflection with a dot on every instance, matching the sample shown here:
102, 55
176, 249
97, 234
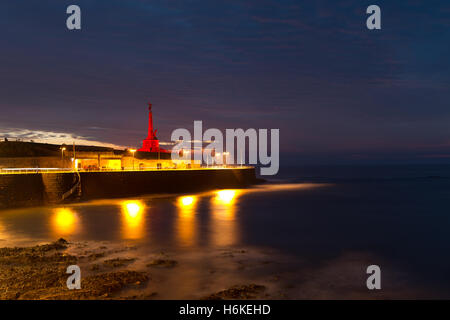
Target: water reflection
3, 234
223, 218
186, 224
208, 218
226, 196
133, 223
187, 204
65, 222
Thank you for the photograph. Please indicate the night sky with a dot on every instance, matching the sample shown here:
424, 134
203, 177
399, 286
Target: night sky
338, 92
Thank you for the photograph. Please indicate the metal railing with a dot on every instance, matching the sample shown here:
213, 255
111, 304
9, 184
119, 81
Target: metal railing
67, 170
32, 170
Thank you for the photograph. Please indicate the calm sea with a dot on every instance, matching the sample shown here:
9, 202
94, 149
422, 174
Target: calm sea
399, 216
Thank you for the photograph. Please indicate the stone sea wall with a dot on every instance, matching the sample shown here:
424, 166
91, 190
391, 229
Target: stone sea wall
34, 189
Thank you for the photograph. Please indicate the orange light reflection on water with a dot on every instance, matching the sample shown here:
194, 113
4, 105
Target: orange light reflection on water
3, 234
133, 223
186, 206
64, 222
225, 196
223, 217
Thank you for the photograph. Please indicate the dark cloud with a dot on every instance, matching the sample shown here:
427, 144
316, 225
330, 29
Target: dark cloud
310, 68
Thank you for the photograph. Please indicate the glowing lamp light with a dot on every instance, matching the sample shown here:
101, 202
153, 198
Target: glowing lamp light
64, 221
187, 201
133, 209
65, 218
133, 219
226, 196
186, 205
186, 221
223, 209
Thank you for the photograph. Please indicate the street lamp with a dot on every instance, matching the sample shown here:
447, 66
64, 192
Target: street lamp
62, 156
132, 151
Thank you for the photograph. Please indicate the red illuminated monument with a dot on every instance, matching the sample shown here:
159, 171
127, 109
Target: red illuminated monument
151, 144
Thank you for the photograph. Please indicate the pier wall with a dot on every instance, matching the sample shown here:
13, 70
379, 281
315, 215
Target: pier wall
34, 189
21, 190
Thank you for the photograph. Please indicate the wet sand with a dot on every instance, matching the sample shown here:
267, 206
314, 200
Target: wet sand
114, 270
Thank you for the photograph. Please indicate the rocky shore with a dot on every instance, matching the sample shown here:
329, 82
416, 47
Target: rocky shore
128, 271
39, 273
